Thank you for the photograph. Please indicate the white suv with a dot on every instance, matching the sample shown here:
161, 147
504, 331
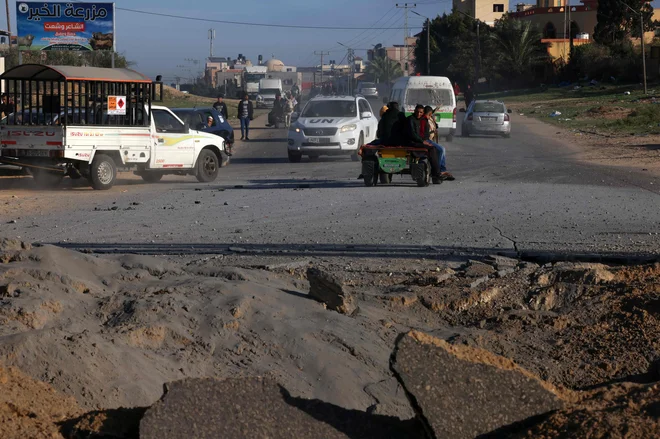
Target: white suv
332, 125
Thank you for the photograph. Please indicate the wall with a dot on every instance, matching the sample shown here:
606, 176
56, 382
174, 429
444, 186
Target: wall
482, 10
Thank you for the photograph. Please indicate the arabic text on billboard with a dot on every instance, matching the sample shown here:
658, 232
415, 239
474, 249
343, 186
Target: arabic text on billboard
65, 26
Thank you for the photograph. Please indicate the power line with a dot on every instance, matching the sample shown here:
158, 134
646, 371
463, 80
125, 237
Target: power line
244, 23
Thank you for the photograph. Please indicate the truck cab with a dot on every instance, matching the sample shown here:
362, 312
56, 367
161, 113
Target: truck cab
87, 122
268, 89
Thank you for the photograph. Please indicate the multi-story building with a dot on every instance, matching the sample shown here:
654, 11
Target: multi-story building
484, 10
565, 22
401, 53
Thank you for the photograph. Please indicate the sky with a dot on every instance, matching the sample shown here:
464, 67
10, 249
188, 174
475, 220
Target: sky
159, 45
173, 46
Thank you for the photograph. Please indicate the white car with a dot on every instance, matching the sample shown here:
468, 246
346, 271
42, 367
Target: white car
331, 125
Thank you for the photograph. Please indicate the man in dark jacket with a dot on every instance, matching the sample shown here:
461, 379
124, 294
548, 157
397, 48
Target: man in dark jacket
245, 115
387, 121
221, 107
413, 138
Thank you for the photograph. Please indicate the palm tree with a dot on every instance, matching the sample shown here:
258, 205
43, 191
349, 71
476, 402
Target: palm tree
384, 69
519, 47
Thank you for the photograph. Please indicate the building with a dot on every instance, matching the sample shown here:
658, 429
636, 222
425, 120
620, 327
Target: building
403, 54
485, 10
562, 22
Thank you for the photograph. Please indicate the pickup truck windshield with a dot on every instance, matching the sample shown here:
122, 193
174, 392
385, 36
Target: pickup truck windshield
330, 109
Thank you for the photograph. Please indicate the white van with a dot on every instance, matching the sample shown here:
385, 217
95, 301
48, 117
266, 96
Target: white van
435, 91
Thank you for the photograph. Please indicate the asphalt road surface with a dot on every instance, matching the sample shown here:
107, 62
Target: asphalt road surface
527, 195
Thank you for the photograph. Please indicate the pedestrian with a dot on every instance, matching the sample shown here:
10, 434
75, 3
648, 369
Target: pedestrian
221, 107
245, 115
457, 89
469, 96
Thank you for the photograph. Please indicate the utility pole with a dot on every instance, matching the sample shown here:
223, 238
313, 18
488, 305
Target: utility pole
405, 8
428, 43
322, 53
8, 21
351, 59
641, 39
211, 37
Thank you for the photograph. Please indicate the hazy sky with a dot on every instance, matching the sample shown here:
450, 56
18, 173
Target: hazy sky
159, 44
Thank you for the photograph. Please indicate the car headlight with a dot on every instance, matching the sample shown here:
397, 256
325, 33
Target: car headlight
295, 129
349, 127
260, 98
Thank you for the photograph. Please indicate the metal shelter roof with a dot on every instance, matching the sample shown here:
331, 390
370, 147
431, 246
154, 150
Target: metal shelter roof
39, 72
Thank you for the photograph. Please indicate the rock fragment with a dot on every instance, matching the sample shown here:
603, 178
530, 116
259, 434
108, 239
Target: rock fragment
331, 290
206, 408
463, 392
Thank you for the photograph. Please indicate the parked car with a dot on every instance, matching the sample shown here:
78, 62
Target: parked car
331, 125
197, 120
486, 117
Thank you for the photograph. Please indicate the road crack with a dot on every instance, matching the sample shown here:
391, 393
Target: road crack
513, 241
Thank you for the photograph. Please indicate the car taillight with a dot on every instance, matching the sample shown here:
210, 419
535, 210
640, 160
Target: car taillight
454, 118
506, 118
469, 116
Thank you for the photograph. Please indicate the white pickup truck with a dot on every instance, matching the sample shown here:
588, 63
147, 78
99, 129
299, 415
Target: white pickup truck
91, 141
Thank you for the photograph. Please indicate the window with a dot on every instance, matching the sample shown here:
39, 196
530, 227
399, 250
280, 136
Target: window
488, 107
363, 106
429, 96
166, 122
329, 109
498, 8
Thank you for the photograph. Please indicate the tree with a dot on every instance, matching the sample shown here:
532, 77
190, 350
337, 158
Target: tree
617, 21
384, 69
519, 49
454, 48
100, 58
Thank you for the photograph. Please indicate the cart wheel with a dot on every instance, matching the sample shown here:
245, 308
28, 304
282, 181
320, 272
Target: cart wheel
385, 178
46, 179
103, 173
207, 166
370, 172
425, 179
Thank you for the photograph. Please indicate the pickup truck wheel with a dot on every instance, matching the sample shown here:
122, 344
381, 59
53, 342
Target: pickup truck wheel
46, 179
103, 173
151, 177
294, 157
207, 166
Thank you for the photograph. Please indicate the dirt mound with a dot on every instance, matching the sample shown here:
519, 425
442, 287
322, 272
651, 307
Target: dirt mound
31, 409
623, 411
110, 331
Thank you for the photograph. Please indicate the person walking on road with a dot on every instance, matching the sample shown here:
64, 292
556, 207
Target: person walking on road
469, 96
245, 115
221, 107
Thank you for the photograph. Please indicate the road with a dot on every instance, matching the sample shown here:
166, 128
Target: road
528, 195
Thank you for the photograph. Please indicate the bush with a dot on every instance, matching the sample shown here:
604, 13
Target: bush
594, 61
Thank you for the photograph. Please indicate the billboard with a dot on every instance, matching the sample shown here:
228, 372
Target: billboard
65, 26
